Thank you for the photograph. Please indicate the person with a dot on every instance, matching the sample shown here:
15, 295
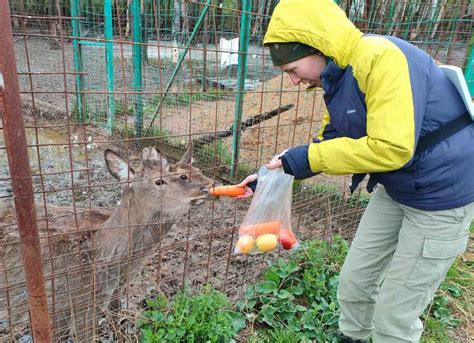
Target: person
390, 113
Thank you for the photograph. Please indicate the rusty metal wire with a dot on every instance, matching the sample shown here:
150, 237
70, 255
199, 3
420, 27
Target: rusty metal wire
106, 244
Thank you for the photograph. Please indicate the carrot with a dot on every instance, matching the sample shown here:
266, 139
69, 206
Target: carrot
261, 228
230, 191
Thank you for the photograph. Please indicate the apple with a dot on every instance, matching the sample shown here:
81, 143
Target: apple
267, 242
245, 244
287, 239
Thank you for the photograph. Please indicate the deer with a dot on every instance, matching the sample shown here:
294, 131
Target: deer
90, 263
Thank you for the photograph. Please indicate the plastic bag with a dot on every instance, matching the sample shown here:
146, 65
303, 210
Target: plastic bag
267, 223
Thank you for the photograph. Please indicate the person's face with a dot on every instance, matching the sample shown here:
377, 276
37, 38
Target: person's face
306, 70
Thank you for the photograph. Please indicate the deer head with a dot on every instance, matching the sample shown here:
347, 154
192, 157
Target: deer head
161, 192
175, 183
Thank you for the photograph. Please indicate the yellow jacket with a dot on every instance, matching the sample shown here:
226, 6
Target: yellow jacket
382, 73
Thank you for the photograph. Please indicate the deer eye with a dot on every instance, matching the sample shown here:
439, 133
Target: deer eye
183, 177
160, 182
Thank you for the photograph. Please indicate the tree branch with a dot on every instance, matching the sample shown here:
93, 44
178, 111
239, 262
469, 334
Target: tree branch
257, 119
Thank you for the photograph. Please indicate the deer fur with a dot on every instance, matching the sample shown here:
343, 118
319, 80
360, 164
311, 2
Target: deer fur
88, 264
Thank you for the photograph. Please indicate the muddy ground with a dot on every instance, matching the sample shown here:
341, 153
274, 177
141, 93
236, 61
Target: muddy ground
199, 248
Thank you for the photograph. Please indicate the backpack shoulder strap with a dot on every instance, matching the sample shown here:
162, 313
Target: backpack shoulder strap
443, 132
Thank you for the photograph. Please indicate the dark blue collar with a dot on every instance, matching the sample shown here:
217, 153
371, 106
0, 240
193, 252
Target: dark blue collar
330, 75
332, 72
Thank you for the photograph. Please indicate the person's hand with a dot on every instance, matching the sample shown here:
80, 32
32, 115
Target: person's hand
276, 161
274, 164
248, 191
294, 162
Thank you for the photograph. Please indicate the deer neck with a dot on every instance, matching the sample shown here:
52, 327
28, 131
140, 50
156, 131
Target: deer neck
134, 226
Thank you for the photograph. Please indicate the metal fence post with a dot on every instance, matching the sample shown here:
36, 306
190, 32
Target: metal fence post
182, 55
109, 57
137, 82
241, 75
18, 161
76, 48
469, 70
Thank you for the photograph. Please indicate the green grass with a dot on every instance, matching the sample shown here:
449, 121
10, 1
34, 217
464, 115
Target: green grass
204, 317
277, 336
122, 109
435, 332
76, 116
154, 132
218, 152
296, 299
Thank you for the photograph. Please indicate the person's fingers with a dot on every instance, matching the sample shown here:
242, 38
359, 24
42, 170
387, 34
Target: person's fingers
247, 180
248, 193
274, 164
276, 161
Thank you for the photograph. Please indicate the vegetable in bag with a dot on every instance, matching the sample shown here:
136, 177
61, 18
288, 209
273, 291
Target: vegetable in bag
267, 224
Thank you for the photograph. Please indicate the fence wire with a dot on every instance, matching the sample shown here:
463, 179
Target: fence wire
116, 223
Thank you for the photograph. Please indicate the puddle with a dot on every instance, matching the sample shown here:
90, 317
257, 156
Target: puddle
55, 152
64, 166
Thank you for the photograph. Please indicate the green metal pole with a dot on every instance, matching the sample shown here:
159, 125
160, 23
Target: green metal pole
109, 56
76, 48
469, 71
389, 23
241, 74
137, 82
181, 59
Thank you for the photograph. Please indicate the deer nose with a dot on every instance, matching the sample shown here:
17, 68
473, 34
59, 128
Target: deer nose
204, 190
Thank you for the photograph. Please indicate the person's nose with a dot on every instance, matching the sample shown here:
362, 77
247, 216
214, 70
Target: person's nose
295, 80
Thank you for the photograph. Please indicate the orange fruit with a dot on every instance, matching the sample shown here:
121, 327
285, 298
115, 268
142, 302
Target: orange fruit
245, 244
267, 242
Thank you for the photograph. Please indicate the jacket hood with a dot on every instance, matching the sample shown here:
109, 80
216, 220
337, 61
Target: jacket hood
318, 23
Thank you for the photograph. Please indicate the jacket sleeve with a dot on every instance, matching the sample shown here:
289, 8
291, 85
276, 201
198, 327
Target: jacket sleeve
391, 106
327, 130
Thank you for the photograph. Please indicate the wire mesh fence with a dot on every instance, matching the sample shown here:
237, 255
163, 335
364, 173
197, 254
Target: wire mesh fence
102, 83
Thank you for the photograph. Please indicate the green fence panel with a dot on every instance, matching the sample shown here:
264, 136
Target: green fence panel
137, 84
76, 33
241, 77
109, 51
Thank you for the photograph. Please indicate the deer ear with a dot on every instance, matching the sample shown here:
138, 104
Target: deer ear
151, 157
117, 166
188, 155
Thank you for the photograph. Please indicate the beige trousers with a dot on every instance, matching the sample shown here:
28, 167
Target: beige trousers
396, 262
